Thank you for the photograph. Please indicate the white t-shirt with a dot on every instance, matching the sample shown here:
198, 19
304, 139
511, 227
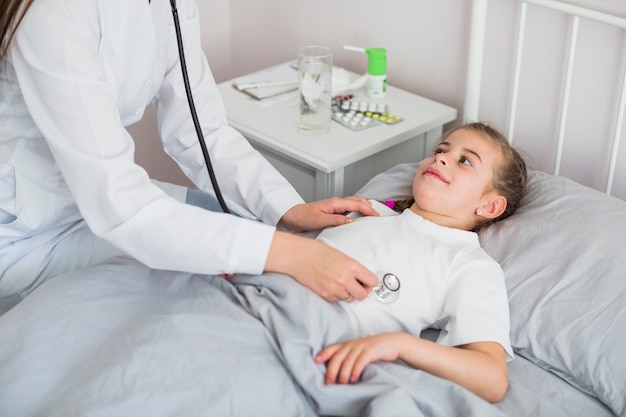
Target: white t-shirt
447, 281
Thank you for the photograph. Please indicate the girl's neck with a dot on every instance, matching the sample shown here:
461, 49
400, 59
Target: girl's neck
441, 220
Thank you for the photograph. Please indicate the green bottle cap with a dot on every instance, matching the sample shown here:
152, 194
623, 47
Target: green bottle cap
377, 62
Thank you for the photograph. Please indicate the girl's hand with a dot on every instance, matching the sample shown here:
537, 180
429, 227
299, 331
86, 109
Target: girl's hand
346, 361
479, 367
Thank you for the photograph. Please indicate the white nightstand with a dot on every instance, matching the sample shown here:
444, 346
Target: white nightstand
342, 161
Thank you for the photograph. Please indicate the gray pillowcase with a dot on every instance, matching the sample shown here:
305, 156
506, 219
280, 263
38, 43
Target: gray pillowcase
564, 258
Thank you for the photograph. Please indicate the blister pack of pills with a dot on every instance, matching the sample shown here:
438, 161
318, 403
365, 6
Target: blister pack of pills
352, 119
358, 115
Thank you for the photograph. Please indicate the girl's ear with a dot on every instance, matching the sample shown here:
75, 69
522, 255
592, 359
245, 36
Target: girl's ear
493, 208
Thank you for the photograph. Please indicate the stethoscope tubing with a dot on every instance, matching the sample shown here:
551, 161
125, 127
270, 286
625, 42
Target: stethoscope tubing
192, 109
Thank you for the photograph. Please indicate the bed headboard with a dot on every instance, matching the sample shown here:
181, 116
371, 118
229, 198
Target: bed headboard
557, 87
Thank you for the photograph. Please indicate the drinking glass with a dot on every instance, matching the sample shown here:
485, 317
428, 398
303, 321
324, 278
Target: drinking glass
315, 65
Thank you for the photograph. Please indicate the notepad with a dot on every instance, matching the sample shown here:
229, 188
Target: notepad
268, 82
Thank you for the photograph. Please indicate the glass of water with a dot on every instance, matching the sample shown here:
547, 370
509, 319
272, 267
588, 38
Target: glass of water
315, 65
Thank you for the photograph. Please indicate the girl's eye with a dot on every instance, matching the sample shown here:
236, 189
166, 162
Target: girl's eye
465, 161
438, 150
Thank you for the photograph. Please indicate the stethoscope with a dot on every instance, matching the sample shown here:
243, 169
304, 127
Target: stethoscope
388, 290
192, 109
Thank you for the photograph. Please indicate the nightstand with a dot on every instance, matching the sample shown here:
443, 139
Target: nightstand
342, 161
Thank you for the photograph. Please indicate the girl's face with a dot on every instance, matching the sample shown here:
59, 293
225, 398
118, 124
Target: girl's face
456, 181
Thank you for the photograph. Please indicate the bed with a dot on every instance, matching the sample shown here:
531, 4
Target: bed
122, 339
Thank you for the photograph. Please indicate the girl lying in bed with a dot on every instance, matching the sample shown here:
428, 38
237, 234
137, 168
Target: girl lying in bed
446, 280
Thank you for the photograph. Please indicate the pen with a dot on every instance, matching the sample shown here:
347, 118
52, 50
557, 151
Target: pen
262, 84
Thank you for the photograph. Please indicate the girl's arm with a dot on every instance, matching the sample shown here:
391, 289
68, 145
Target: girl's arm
480, 367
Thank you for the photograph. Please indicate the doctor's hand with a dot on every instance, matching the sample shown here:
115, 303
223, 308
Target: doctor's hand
326, 271
324, 213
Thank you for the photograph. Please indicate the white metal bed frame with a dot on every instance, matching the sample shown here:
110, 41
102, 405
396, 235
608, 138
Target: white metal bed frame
475, 63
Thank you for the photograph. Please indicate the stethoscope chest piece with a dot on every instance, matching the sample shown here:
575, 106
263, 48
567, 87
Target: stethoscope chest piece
388, 290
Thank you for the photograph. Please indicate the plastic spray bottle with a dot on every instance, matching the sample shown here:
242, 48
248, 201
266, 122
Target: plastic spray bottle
376, 70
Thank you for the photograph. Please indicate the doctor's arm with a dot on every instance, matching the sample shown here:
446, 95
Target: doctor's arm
324, 270
480, 367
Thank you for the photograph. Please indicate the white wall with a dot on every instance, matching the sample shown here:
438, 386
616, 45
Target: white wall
425, 39
426, 42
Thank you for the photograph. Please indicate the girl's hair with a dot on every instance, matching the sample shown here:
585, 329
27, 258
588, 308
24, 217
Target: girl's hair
509, 177
11, 14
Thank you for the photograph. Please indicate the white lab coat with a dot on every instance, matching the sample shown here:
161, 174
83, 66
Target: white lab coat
79, 71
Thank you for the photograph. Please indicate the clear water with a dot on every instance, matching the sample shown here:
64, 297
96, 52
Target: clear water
315, 98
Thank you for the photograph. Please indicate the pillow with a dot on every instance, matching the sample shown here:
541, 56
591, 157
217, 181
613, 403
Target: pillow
564, 259
395, 183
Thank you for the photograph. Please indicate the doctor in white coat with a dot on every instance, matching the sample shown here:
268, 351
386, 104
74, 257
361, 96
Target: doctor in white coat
73, 75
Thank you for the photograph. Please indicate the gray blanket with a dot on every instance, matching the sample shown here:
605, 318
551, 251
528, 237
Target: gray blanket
124, 340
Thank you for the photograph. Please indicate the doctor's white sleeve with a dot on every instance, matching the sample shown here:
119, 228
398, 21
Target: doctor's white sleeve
74, 104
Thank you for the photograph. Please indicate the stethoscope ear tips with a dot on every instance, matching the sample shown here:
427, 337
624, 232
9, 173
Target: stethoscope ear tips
388, 290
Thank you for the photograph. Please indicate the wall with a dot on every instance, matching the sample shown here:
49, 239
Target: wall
427, 44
